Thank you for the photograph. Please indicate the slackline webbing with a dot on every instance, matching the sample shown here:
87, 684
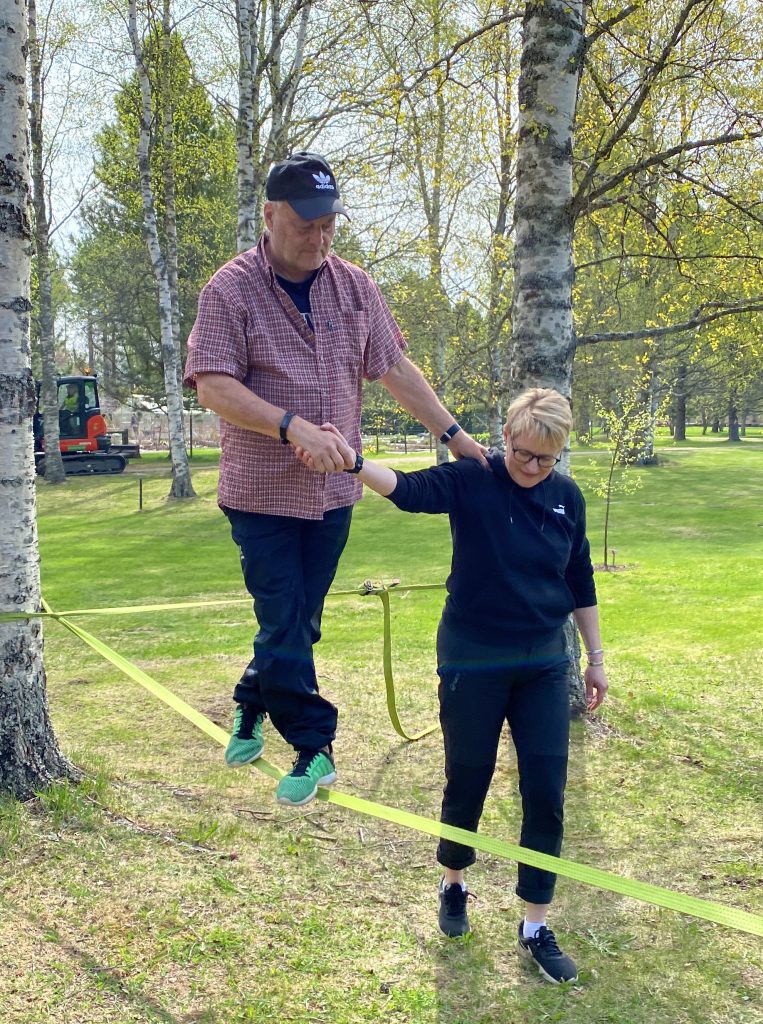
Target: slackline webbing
730, 917
365, 588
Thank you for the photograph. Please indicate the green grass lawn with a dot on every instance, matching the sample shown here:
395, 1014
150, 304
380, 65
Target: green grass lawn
168, 888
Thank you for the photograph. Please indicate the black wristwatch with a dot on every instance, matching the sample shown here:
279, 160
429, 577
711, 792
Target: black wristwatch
358, 464
284, 426
449, 434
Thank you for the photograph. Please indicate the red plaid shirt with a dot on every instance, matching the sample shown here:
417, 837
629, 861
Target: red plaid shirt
248, 327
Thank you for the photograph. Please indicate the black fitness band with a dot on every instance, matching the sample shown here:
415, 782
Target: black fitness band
358, 464
287, 418
449, 434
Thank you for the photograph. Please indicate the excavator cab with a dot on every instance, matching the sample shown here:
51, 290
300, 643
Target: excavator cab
77, 411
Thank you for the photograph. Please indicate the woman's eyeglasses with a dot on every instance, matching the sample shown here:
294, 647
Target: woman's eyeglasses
544, 461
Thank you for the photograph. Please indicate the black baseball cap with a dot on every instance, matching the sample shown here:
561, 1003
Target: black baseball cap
306, 182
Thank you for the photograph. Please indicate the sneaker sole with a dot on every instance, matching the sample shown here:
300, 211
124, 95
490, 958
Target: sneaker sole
240, 764
455, 935
526, 955
325, 781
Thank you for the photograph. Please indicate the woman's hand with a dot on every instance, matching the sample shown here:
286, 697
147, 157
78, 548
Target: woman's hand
596, 686
347, 453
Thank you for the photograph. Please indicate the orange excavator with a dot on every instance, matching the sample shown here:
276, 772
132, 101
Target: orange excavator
85, 441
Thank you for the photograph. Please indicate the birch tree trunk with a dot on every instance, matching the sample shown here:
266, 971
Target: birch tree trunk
543, 341
262, 28
54, 466
248, 215
169, 329
29, 756
497, 319
168, 178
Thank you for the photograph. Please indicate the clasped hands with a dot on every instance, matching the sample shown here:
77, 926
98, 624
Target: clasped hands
324, 449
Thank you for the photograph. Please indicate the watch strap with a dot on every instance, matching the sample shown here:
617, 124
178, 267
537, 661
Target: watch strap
284, 426
449, 434
358, 464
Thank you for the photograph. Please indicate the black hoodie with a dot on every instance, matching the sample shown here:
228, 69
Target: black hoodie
521, 559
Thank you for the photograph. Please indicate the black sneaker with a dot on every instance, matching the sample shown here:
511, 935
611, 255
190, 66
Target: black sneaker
552, 963
452, 917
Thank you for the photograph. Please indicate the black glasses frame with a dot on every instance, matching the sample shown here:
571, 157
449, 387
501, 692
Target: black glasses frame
525, 458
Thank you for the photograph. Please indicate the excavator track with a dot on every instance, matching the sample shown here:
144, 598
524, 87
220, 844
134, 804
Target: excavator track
89, 464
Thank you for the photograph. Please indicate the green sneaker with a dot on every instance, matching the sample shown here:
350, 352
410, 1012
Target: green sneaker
246, 742
311, 769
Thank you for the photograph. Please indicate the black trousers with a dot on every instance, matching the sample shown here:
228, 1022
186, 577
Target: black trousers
288, 566
480, 689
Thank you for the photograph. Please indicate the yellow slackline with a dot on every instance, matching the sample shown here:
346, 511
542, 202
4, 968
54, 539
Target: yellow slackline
730, 917
367, 587
381, 590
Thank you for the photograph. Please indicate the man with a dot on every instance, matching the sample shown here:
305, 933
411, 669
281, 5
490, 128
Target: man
285, 334
68, 414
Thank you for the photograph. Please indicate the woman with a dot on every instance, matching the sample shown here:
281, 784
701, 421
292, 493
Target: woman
521, 564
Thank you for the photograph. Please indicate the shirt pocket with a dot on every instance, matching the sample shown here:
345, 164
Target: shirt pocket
346, 336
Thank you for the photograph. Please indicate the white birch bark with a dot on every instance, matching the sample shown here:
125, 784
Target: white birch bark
248, 215
543, 340
54, 466
497, 320
168, 177
181, 475
264, 123
543, 343
29, 756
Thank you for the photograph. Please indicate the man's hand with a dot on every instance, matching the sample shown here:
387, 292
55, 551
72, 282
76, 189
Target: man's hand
596, 686
324, 449
307, 456
463, 446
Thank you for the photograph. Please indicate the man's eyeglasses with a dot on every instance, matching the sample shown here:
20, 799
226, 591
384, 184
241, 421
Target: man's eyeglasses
544, 461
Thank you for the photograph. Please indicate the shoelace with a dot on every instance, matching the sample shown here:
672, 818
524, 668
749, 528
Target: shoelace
303, 760
245, 723
546, 940
455, 899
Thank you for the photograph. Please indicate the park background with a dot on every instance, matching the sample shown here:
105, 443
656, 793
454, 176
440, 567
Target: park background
167, 887
162, 887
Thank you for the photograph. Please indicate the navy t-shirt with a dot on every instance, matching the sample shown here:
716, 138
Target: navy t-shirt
299, 293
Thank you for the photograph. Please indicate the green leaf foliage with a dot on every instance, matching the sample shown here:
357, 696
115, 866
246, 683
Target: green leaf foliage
116, 291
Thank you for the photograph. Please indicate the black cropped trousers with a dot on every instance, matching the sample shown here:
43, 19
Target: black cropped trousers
480, 689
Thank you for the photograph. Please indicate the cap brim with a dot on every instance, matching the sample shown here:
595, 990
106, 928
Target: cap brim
317, 206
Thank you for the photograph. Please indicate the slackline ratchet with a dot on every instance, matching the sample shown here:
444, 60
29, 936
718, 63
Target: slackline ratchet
730, 917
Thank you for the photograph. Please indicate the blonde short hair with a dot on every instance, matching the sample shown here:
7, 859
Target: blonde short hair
543, 414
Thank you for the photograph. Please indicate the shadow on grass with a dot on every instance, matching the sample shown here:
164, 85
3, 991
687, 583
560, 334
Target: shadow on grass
464, 978
108, 978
